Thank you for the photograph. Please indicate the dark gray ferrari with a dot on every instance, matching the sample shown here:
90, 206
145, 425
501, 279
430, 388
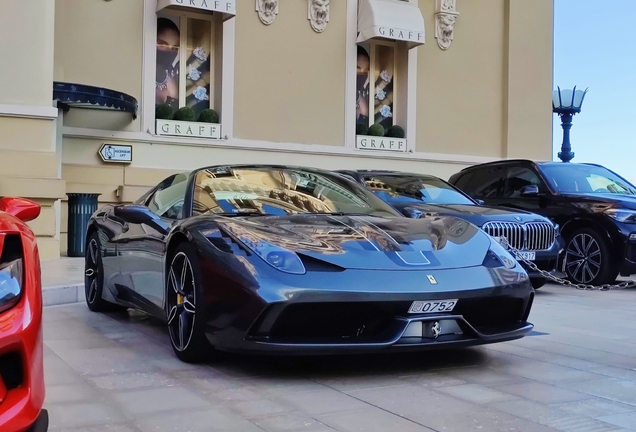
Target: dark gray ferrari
290, 260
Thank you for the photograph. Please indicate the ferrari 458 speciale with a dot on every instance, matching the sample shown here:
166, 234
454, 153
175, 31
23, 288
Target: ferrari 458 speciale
279, 259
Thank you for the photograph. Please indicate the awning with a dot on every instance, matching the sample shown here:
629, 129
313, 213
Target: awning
71, 95
227, 8
390, 19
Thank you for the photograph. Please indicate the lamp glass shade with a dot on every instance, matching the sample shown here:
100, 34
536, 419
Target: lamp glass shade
578, 99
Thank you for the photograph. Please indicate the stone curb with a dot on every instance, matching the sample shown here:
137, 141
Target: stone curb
63, 294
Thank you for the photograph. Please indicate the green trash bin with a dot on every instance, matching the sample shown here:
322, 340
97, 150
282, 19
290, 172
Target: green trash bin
81, 207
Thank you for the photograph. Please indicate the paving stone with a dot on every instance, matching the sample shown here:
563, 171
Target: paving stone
544, 393
477, 394
79, 392
413, 402
133, 380
323, 401
83, 415
123, 427
143, 402
612, 388
595, 408
625, 420
292, 422
212, 419
371, 421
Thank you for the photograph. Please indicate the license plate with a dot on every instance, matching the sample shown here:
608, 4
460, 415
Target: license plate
434, 306
530, 256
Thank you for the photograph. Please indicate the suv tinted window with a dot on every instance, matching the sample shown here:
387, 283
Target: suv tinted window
463, 182
485, 182
517, 179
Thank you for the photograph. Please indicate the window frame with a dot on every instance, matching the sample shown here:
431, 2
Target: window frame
225, 70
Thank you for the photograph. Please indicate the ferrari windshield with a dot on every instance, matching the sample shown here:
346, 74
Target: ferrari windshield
579, 178
281, 191
416, 189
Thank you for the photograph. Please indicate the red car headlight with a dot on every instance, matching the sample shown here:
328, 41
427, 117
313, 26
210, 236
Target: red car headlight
11, 270
10, 283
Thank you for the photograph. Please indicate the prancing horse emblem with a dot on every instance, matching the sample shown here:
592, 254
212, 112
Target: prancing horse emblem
436, 329
432, 279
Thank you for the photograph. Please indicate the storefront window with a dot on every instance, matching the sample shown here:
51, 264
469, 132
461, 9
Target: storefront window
183, 76
375, 84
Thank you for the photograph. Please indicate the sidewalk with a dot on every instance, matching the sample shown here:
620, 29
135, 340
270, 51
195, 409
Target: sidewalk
62, 281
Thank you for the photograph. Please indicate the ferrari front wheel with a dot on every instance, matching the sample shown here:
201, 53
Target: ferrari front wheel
184, 304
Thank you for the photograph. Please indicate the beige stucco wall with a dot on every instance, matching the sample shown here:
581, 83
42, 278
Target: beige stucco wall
28, 160
529, 79
26, 45
489, 94
289, 80
100, 43
460, 90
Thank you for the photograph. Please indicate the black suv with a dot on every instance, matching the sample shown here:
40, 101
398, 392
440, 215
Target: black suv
595, 207
417, 195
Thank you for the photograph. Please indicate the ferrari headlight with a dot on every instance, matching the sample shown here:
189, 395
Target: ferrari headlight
621, 215
502, 254
279, 258
10, 284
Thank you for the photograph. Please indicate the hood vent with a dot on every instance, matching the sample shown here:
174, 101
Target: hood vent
226, 244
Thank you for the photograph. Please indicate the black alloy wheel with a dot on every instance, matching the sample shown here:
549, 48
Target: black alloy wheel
183, 288
94, 277
588, 259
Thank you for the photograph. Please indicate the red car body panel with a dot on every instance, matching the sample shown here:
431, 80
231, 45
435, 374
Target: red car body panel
21, 329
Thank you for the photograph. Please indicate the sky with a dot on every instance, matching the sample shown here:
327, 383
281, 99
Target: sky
595, 47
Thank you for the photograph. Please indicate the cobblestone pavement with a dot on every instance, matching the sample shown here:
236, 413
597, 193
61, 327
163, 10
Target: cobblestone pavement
576, 372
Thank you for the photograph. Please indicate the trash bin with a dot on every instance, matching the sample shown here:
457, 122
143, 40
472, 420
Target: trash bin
81, 207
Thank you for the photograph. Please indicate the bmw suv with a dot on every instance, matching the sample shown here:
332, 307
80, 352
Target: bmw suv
595, 207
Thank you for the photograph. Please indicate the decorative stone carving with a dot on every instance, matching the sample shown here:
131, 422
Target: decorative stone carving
446, 16
319, 14
267, 10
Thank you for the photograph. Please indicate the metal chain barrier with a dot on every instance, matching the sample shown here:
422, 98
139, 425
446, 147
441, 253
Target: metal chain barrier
605, 287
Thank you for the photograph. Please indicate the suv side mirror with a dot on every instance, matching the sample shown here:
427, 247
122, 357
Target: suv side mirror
529, 191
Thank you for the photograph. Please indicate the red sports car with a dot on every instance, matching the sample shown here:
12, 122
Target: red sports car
21, 368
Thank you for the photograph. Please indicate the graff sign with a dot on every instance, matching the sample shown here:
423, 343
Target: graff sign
223, 6
364, 142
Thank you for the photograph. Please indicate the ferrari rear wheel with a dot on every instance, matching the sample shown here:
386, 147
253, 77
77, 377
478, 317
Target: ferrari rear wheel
94, 277
184, 312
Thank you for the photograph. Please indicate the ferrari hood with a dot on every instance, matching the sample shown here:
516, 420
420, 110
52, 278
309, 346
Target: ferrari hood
367, 242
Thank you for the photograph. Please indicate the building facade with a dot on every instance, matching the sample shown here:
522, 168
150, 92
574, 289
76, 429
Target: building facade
92, 91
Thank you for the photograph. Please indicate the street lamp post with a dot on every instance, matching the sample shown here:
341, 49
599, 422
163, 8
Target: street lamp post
566, 103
